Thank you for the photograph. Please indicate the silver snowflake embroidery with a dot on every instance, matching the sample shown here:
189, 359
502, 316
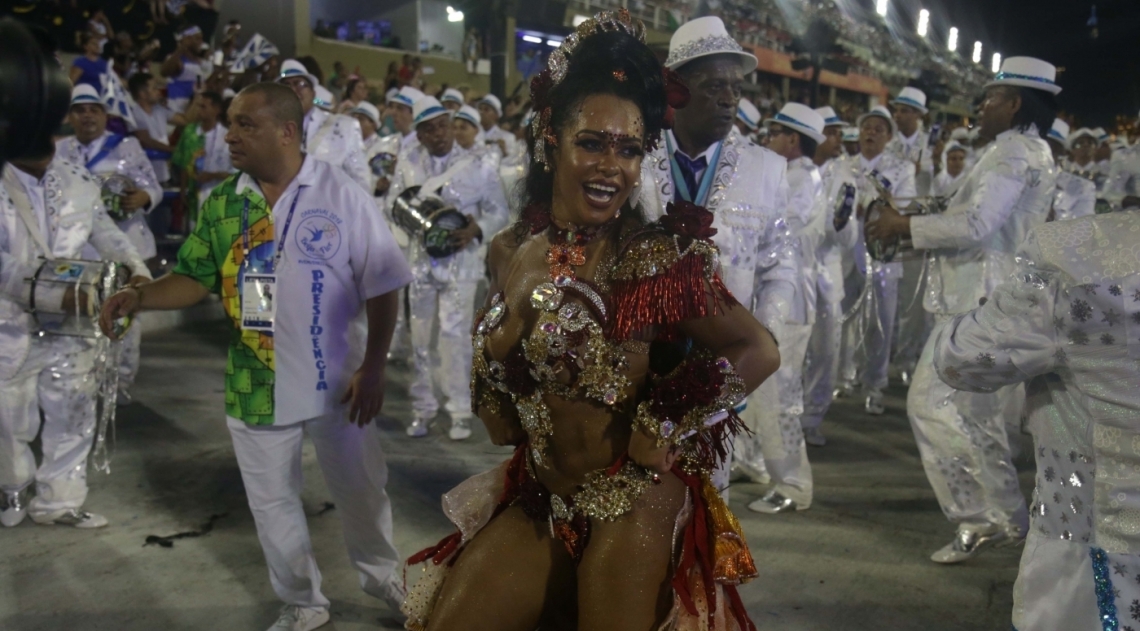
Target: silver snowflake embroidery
1090, 288
1080, 338
1080, 310
1077, 505
1136, 318
1058, 323
1056, 454
1111, 317
1115, 290
1061, 356
1056, 498
1041, 451
1050, 475
1119, 569
1107, 339
986, 360
1135, 609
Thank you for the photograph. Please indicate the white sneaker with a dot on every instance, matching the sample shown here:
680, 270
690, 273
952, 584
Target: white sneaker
71, 517
874, 403
460, 429
814, 437
393, 595
418, 428
14, 506
298, 618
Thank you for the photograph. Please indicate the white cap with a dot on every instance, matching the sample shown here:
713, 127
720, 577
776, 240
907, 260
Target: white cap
453, 95
829, 116
800, 118
1027, 72
1059, 132
228, 93
322, 97
913, 97
881, 112
469, 114
494, 102
703, 37
364, 108
293, 68
427, 108
748, 114
1083, 131
850, 134
406, 96
960, 133
85, 93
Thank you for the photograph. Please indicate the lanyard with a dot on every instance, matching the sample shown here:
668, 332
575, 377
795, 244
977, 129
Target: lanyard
284, 231
706, 178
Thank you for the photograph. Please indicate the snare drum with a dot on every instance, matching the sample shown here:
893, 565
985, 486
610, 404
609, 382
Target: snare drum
430, 220
113, 188
98, 280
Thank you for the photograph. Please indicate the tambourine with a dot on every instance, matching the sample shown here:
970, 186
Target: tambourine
430, 219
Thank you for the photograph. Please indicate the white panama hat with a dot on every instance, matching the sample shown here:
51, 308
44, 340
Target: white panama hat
364, 108
748, 114
1083, 131
1059, 132
494, 102
954, 145
406, 96
881, 112
453, 95
960, 133
85, 93
293, 68
830, 117
703, 37
471, 115
1027, 72
850, 134
913, 97
322, 97
427, 108
800, 118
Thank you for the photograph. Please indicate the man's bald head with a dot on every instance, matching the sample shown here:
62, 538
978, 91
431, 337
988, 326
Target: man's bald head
282, 102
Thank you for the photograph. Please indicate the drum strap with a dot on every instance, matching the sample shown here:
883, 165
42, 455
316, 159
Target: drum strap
24, 209
433, 184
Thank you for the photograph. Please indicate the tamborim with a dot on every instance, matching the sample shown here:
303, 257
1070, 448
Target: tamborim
97, 280
113, 189
383, 164
844, 206
429, 219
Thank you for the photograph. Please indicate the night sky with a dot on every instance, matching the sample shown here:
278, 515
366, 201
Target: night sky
1101, 76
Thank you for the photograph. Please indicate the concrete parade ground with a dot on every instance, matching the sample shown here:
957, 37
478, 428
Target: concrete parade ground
856, 561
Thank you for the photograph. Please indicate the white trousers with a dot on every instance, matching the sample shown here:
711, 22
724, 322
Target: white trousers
129, 358
821, 363
56, 379
914, 321
1055, 589
773, 415
964, 448
867, 340
454, 301
352, 461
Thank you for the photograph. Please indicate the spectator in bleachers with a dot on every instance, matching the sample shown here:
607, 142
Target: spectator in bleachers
355, 93
202, 156
88, 68
152, 123
183, 69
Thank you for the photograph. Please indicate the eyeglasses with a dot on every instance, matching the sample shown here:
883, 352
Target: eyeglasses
297, 82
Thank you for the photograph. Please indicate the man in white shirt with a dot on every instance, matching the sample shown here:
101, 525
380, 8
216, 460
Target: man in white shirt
381, 157
213, 164
490, 112
333, 138
869, 335
972, 247
446, 286
911, 143
105, 154
468, 133
1082, 157
794, 132
152, 123
452, 99
948, 180
822, 360
49, 208
1075, 195
296, 251
749, 198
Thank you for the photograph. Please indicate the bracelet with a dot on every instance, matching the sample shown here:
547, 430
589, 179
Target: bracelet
679, 403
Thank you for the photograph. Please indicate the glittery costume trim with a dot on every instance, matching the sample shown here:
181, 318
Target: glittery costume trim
1105, 598
703, 46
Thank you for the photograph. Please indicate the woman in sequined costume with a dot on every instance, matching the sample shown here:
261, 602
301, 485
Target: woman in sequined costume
608, 354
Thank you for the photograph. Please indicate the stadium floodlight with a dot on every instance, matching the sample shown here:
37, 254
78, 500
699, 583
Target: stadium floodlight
453, 15
532, 39
555, 43
952, 41
881, 7
923, 22
997, 63
977, 52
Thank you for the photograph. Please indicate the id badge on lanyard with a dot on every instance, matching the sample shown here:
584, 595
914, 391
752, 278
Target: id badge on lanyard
259, 288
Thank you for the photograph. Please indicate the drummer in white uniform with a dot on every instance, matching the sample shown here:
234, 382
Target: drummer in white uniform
490, 112
105, 154
48, 207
